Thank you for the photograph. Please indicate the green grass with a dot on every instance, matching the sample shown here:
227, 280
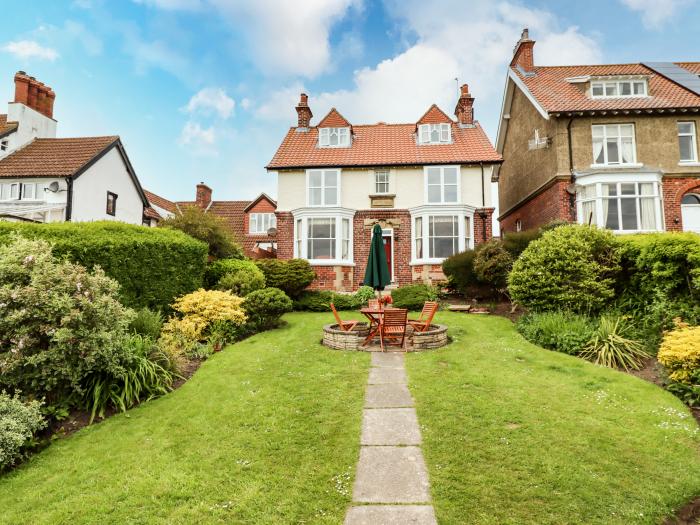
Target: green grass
267, 431
514, 434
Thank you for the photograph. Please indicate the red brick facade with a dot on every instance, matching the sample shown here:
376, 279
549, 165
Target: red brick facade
263, 205
674, 188
483, 225
553, 203
285, 235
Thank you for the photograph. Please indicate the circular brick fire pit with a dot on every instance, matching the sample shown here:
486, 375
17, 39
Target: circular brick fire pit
333, 337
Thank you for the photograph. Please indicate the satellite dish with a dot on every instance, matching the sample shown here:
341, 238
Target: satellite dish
271, 232
53, 187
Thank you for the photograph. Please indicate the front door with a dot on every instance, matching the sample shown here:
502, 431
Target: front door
690, 212
388, 238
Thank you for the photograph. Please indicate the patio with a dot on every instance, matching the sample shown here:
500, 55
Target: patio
336, 338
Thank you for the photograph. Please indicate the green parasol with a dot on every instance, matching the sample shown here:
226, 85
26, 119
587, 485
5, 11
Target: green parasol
377, 272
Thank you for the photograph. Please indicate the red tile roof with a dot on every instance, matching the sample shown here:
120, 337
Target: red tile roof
233, 213
333, 120
5, 126
551, 90
151, 213
54, 157
161, 202
434, 115
383, 145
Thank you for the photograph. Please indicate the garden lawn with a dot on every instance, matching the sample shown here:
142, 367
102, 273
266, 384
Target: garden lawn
267, 431
514, 434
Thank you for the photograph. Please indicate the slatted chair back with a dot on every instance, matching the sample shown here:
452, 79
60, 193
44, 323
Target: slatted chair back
432, 308
395, 317
373, 304
337, 317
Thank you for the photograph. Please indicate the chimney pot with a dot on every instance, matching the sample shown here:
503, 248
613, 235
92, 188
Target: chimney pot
303, 112
203, 195
34, 94
523, 54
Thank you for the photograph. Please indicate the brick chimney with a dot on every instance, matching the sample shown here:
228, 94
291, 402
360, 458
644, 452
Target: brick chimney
203, 198
34, 94
464, 111
304, 112
523, 56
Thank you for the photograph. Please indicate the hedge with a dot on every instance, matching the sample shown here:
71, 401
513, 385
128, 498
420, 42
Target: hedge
152, 265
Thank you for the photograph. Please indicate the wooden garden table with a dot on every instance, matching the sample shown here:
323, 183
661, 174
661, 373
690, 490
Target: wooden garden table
375, 322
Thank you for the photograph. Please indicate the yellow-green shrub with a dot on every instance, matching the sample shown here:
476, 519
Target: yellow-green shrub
680, 352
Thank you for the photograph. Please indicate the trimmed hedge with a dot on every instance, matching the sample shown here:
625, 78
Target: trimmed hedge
291, 276
412, 296
152, 265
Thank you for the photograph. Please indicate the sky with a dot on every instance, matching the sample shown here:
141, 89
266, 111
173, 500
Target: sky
204, 90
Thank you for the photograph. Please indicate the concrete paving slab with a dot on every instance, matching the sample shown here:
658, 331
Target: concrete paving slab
391, 515
391, 475
388, 359
390, 426
393, 395
383, 376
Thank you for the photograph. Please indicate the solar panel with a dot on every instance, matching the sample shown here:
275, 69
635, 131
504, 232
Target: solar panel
677, 74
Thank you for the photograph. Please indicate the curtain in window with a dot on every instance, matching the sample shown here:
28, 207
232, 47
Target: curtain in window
627, 150
647, 206
605, 202
598, 157
587, 196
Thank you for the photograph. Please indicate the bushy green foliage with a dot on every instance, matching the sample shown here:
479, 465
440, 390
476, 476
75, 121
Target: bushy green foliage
236, 275
152, 265
18, 423
560, 331
680, 354
609, 346
265, 307
320, 300
208, 228
59, 323
571, 267
492, 264
364, 294
459, 270
291, 276
413, 296
147, 323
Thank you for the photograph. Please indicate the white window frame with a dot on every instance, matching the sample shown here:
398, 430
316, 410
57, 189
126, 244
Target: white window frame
619, 138
342, 243
442, 184
465, 239
386, 183
323, 187
324, 137
444, 130
26, 186
598, 181
259, 218
608, 85
694, 140
14, 188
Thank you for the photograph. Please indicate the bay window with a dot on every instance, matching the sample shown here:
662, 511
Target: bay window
323, 239
323, 187
687, 142
621, 206
613, 144
442, 184
440, 233
434, 133
334, 137
260, 223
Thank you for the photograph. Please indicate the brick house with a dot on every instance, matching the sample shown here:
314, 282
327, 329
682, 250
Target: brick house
250, 222
425, 182
613, 145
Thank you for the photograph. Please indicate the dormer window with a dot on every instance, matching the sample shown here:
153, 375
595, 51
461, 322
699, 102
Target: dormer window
4, 145
334, 137
434, 133
619, 88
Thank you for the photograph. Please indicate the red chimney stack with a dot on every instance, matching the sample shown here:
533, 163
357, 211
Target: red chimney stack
523, 55
464, 111
304, 112
203, 197
34, 94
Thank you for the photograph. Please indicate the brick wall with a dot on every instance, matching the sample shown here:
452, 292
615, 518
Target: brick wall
427, 273
285, 235
673, 189
554, 203
483, 216
337, 278
248, 242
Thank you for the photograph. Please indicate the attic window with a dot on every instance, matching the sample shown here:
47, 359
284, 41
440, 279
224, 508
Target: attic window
4, 144
618, 88
334, 137
434, 133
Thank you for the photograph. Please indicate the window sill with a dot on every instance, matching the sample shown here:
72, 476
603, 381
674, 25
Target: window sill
381, 195
421, 262
329, 262
689, 164
617, 166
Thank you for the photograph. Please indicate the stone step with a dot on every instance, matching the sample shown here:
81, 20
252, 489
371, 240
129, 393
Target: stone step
390, 426
394, 395
391, 475
391, 515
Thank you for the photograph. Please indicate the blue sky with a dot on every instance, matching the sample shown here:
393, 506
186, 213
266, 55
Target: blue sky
204, 90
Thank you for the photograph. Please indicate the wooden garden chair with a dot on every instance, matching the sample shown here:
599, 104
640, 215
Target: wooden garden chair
345, 326
425, 318
393, 326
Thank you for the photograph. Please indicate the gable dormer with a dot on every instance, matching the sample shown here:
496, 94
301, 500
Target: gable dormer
434, 127
334, 131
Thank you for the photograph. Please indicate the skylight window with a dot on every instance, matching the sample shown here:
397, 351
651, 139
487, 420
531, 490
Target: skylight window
619, 88
434, 133
334, 137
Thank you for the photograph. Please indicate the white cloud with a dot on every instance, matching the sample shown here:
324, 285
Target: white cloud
211, 100
199, 140
656, 13
245, 103
28, 49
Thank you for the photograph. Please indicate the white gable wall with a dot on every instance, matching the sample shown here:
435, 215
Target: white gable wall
91, 187
31, 124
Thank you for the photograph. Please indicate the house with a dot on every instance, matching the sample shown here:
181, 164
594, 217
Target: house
49, 179
252, 223
612, 145
427, 183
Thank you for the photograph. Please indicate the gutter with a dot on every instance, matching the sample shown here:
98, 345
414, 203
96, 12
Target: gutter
483, 214
69, 198
572, 179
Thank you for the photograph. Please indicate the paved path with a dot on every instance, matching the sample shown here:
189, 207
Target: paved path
391, 483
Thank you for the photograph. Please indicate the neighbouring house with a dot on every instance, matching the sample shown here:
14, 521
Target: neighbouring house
427, 183
252, 223
49, 179
612, 145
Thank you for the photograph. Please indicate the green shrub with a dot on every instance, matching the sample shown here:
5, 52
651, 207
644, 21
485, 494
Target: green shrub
413, 296
571, 267
208, 228
364, 294
59, 323
320, 300
18, 423
459, 270
560, 331
492, 264
238, 276
152, 265
291, 276
147, 323
610, 347
265, 307
680, 354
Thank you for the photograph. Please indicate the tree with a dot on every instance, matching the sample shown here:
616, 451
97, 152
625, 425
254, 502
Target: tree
206, 227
